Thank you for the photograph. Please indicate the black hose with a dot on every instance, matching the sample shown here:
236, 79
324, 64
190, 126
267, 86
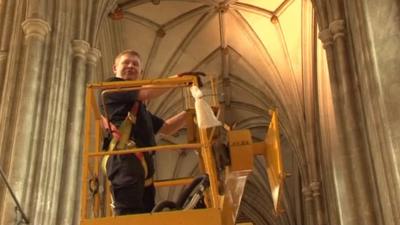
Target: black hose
183, 197
164, 204
186, 193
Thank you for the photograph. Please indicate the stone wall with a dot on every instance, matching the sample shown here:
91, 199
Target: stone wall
47, 55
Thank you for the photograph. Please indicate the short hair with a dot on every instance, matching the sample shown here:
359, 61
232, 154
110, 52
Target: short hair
127, 52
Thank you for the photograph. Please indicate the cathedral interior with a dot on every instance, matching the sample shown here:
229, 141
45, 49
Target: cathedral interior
328, 67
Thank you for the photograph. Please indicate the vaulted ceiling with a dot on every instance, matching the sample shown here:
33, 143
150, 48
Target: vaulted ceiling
258, 51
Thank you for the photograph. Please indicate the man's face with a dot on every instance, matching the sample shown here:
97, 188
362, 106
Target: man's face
128, 67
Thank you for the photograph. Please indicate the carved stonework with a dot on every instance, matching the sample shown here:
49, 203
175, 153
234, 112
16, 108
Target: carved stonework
326, 37
117, 14
80, 48
315, 188
161, 32
34, 27
222, 7
93, 56
307, 193
3, 55
337, 28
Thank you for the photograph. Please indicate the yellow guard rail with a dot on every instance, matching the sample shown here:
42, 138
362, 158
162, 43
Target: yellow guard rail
221, 209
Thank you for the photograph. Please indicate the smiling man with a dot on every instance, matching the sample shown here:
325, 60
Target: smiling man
127, 65
131, 175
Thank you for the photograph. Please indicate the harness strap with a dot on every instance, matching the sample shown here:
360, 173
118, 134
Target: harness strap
122, 138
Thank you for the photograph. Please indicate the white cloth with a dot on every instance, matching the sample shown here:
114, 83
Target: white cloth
205, 115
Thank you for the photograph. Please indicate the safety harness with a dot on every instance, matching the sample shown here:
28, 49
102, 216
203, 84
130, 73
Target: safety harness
121, 139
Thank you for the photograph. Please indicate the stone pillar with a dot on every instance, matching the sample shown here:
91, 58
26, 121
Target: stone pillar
7, 12
7, 87
35, 31
315, 187
375, 29
308, 203
3, 55
354, 186
69, 195
92, 58
312, 125
6, 23
353, 160
3, 60
338, 155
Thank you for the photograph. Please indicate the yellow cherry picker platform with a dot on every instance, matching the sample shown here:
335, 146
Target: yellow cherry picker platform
221, 196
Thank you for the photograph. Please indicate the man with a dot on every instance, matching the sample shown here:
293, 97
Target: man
131, 175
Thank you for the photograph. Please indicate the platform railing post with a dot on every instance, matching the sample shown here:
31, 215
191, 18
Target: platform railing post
85, 162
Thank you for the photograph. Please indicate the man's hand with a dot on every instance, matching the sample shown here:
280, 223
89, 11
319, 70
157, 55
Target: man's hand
197, 74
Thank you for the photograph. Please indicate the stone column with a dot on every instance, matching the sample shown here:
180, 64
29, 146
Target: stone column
312, 126
3, 55
73, 143
308, 203
338, 155
6, 23
35, 31
375, 29
6, 26
315, 187
353, 160
350, 159
7, 87
3, 63
92, 58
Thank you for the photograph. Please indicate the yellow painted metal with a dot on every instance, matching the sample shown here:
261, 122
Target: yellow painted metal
270, 149
214, 92
209, 167
241, 151
222, 210
96, 165
92, 153
173, 82
85, 162
273, 161
148, 149
173, 182
259, 148
209, 216
93, 106
191, 132
208, 162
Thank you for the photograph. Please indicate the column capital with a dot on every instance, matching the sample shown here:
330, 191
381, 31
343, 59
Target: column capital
326, 37
35, 27
337, 28
93, 56
307, 193
315, 185
315, 188
80, 48
3, 55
